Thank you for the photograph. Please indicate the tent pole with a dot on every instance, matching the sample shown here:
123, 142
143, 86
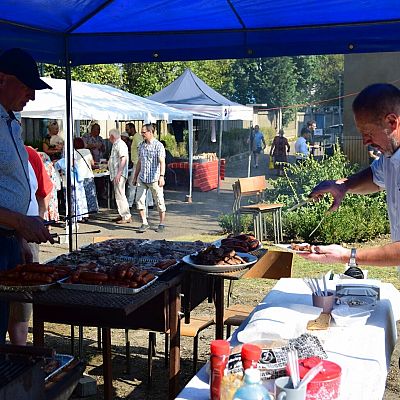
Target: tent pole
220, 148
68, 155
250, 151
190, 144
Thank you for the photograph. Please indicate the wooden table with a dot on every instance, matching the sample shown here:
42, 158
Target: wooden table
155, 308
199, 285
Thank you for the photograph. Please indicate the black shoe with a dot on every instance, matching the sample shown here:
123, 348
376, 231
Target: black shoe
160, 228
143, 228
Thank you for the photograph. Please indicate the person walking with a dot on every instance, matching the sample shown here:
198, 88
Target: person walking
257, 143
279, 150
377, 115
118, 167
150, 175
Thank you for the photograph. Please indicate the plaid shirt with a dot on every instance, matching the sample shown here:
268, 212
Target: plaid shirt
119, 149
149, 154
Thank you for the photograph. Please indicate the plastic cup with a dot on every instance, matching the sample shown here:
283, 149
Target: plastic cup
284, 390
324, 302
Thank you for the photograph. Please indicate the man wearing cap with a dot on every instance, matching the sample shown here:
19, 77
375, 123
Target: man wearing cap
19, 78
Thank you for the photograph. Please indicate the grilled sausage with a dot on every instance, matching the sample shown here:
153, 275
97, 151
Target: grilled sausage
93, 276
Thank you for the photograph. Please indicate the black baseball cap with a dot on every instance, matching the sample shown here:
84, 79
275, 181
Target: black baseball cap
20, 64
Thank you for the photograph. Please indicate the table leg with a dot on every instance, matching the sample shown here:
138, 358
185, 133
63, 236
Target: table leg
219, 308
174, 340
37, 330
107, 369
109, 183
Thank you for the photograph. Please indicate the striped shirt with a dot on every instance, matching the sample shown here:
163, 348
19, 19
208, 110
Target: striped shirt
149, 155
14, 170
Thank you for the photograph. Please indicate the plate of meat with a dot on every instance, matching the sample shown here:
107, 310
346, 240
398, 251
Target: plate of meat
218, 259
299, 248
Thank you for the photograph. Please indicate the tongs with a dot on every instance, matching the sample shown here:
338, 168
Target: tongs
301, 204
56, 235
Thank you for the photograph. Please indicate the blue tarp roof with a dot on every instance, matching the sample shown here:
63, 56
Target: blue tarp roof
107, 31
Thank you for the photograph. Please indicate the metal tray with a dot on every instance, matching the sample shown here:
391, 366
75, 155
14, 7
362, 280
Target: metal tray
30, 288
105, 288
147, 263
65, 359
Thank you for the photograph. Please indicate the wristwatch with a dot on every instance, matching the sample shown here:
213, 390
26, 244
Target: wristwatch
352, 260
162, 175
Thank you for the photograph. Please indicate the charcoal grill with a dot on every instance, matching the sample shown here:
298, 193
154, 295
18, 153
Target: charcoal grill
22, 375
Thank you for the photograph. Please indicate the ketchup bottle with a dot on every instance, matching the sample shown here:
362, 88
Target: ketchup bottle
250, 355
218, 360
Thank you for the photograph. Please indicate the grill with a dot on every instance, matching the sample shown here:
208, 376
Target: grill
22, 375
21, 379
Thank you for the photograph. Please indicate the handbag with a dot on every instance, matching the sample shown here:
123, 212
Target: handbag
271, 163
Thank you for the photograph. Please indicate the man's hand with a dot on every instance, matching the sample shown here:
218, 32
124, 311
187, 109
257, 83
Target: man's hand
117, 178
27, 256
336, 188
328, 254
32, 229
161, 181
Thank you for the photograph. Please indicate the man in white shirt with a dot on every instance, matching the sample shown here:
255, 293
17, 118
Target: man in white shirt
301, 146
377, 116
118, 167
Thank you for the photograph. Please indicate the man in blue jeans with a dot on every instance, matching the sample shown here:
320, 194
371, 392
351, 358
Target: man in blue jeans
19, 78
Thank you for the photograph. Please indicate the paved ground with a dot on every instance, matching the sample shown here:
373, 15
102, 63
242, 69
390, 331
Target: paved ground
183, 219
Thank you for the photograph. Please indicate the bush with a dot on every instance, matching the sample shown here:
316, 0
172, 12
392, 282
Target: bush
226, 223
359, 217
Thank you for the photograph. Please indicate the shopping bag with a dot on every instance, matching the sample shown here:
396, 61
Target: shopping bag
271, 163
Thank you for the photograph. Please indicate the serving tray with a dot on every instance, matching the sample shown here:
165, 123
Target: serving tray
221, 268
106, 288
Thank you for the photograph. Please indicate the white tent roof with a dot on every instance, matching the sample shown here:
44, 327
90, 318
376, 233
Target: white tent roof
189, 93
102, 102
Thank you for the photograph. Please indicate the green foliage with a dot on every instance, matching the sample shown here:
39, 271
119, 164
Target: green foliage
226, 223
359, 217
104, 74
265, 80
145, 79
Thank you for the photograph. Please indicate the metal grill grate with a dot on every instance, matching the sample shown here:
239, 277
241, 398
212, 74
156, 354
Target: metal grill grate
10, 371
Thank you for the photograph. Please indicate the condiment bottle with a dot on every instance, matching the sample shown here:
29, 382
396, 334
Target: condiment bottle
218, 361
250, 355
252, 388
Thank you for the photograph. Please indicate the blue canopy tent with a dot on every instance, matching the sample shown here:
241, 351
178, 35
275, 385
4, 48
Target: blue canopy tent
75, 32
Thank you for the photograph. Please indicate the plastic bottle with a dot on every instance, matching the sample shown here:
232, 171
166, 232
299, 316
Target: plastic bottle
218, 360
252, 388
250, 355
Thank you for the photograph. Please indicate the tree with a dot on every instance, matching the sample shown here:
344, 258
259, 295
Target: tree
265, 80
318, 77
105, 74
145, 79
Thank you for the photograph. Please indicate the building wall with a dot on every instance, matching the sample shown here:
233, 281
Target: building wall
361, 70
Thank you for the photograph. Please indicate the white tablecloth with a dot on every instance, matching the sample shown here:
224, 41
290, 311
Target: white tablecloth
363, 352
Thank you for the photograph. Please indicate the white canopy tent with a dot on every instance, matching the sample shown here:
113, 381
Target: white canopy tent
103, 102
189, 93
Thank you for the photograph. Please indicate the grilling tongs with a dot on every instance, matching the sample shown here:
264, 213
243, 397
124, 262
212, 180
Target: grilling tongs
301, 204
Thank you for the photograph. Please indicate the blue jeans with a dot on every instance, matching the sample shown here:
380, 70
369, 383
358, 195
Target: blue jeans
10, 256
